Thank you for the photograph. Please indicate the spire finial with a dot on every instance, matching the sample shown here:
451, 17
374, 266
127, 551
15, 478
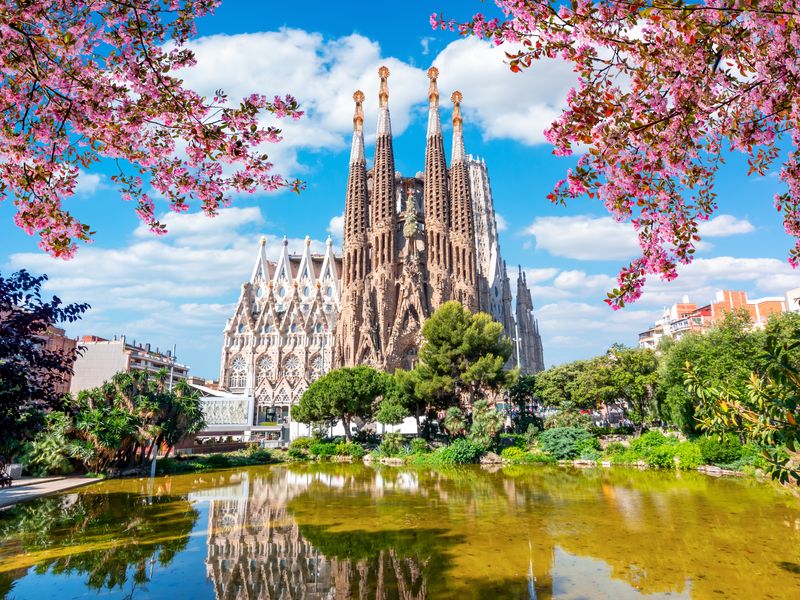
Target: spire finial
285, 241
308, 240
383, 95
263, 241
433, 90
457, 98
358, 117
329, 242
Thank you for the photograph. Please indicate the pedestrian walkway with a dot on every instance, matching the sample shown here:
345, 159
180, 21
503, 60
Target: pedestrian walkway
22, 490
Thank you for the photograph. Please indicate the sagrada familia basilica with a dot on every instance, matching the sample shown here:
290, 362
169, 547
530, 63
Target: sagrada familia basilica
410, 244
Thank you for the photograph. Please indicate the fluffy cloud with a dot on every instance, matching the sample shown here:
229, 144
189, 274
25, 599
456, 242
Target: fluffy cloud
504, 104
583, 237
586, 237
502, 224
322, 73
336, 228
88, 183
725, 225
179, 288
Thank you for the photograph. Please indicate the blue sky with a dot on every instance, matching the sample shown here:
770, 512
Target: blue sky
181, 288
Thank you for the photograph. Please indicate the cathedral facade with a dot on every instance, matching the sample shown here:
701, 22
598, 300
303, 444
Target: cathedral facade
413, 243
410, 244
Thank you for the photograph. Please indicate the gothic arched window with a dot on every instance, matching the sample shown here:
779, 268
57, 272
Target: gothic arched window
238, 378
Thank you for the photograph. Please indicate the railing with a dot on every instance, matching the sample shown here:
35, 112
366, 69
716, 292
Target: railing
224, 411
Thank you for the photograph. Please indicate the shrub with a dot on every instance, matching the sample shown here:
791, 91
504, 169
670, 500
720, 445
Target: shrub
454, 421
322, 449
486, 424
418, 446
217, 461
531, 434
614, 449
392, 444
513, 440
646, 442
460, 452
350, 449
588, 448
719, 452
661, 457
513, 454
303, 442
689, 455
47, 453
296, 453
562, 442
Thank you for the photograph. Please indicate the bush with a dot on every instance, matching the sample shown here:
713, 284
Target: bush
296, 453
531, 435
460, 452
303, 442
513, 440
513, 454
646, 442
689, 455
614, 449
719, 452
217, 461
486, 424
350, 449
562, 442
418, 446
588, 448
661, 457
392, 444
322, 449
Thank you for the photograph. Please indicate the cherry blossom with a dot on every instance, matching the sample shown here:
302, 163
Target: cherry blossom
666, 88
85, 82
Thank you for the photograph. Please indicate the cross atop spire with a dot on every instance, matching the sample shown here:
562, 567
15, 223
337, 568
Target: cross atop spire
459, 153
433, 90
383, 95
358, 117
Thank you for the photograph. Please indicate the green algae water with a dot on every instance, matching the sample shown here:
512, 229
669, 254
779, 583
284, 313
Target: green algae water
350, 531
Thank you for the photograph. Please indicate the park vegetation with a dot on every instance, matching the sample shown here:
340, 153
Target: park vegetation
726, 397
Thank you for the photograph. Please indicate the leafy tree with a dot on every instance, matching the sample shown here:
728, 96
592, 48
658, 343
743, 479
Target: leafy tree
724, 354
90, 81
632, 377
522, 395
765, 410
463, 356
663, 87
341, 395
29, 372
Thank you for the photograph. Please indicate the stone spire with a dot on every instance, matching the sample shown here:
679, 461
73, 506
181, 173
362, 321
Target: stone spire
459, 154
462, 225
384, 214
530, 357
355, 254
436, 201
357, 148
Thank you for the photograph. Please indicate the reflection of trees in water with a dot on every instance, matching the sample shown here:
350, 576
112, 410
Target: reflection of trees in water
102, 536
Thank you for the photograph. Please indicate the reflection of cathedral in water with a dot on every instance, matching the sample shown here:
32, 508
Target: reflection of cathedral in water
256, 549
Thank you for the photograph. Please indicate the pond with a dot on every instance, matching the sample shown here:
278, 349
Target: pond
350, 531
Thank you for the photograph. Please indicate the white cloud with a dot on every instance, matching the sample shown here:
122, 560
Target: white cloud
502, 224
176, 288
321, 73
583, 237
88, 183
336, 228
504, 104
725, 225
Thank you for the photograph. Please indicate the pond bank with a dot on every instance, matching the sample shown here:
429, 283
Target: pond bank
23, 490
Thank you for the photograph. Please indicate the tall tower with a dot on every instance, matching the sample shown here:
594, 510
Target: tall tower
462, 224
436, 201
355, 260
530, 357
383, 231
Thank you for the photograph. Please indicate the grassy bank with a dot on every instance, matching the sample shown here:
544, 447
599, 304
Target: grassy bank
252, 456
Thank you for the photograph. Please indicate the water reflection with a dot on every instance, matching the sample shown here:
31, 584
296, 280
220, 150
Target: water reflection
346, 531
